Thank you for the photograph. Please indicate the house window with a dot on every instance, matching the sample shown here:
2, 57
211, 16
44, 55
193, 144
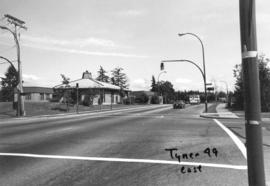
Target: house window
41, 96
28, 96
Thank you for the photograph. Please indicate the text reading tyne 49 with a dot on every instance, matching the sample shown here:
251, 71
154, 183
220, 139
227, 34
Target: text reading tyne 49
174, 154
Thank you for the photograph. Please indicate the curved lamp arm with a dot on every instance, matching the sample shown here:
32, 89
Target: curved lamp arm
185, 60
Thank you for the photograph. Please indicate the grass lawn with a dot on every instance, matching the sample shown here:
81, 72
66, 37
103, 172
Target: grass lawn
48, 108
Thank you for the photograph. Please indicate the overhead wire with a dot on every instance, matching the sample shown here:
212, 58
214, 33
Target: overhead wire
12, 61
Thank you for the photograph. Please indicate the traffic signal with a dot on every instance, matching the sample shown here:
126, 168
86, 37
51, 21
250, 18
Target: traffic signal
161, 66
210, 88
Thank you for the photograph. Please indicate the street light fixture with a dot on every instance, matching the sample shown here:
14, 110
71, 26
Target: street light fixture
161, 73
204, 72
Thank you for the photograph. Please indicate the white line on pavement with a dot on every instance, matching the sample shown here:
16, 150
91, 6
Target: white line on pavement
235, 139
239, 167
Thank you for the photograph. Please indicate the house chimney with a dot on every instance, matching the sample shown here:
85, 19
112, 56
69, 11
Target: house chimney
87, 75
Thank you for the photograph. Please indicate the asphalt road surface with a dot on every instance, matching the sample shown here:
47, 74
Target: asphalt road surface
153, 145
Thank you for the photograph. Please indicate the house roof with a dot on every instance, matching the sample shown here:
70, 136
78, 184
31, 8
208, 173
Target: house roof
90, 83
46, 90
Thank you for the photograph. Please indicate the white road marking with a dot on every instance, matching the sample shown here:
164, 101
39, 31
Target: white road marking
226, 166
235, 139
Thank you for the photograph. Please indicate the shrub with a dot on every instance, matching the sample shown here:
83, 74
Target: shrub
155, 99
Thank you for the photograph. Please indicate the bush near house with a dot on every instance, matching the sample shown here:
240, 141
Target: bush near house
155, 99
142, 98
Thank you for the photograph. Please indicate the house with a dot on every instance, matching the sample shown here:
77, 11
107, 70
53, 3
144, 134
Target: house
94, 92
36, 94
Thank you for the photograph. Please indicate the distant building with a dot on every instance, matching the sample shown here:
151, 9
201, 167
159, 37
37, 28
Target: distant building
36, 94
95, 92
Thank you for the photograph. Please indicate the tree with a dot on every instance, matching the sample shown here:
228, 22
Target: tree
239, 87
65, 80
9, 83
264, 78
90, 94
102, 75
119, 78
167, 90
67, 94
154, 87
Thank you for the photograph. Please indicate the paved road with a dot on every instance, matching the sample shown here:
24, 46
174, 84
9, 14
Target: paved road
80, 150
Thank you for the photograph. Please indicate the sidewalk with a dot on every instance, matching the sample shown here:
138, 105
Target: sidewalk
222, 113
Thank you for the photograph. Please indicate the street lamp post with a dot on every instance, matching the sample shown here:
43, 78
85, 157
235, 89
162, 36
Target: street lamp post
189, 61
158, 82
204, 72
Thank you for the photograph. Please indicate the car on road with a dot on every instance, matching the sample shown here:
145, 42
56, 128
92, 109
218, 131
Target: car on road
179, 104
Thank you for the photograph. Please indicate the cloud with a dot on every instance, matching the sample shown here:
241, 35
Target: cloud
132, 13
30, 77
80, 42
74, 46
33, 80
84, 52
140, 84
183, 81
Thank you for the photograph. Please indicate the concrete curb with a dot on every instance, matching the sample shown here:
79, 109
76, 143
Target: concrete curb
221, 115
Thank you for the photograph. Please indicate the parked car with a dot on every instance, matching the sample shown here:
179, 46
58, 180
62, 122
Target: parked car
179, 104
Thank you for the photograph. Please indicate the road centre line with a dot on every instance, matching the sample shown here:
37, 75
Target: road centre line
126, 160
235, 139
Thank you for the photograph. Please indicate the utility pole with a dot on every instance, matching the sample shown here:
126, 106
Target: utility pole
17, 24
252, 93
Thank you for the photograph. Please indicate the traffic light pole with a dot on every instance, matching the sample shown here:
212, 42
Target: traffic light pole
202, 72
252, 93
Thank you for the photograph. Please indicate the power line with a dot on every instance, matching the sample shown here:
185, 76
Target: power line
13, 61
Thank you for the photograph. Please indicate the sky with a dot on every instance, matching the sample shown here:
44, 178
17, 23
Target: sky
70, 36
